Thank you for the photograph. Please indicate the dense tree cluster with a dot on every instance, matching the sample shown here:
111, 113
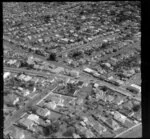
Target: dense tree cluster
51, 129
136, 108
76, 55
52, 57
71, 88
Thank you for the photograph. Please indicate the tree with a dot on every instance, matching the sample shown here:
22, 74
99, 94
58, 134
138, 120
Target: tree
77, 55
31, 108
69, 132
104, 88
136, 108
88, 52
71, 88
52, 57
104, 45
46, 131
46, 18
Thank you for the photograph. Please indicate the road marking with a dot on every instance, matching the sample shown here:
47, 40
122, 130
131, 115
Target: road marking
46, 96
128, 130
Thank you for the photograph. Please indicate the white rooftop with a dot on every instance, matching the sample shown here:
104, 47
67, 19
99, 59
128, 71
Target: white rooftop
6, 74
136, 86
88, 70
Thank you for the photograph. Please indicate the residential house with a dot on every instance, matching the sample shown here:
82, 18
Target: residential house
34, 118
27, 123
128, 105
137, 87
6, 74
119, 100
74, 73
80, 83
88, 70
76, 135
12, 61
110, 98
19, 134
27, 78
96, 85
99, 128
11, 99
25, 93
60, 102
85, 119
102, 95
112, 124
43, 112
58, 69
124, 111
80, 101
51, 105
83, 124
34, 89
24, 77
89, 134
119, 82
132, 71
120, 117
16, 133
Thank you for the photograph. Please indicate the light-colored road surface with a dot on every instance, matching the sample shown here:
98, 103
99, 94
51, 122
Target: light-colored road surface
46, 96
119, 135
34, 72
117, 89
82, 77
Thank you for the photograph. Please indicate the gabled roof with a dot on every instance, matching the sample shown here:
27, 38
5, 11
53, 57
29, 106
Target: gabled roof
51, 105
26, 122
110, 98
128, 105
118, 99
33, 117
42, 112
120, 117
19, 134
112, 123
11, 98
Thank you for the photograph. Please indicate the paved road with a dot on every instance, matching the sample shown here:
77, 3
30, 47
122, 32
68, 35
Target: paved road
6, 43
20, 112
117, 89
37, 100
83, 77
58, 64
139, 124
97, 41
35, 73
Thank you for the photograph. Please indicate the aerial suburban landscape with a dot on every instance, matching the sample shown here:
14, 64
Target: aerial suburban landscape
72, 70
